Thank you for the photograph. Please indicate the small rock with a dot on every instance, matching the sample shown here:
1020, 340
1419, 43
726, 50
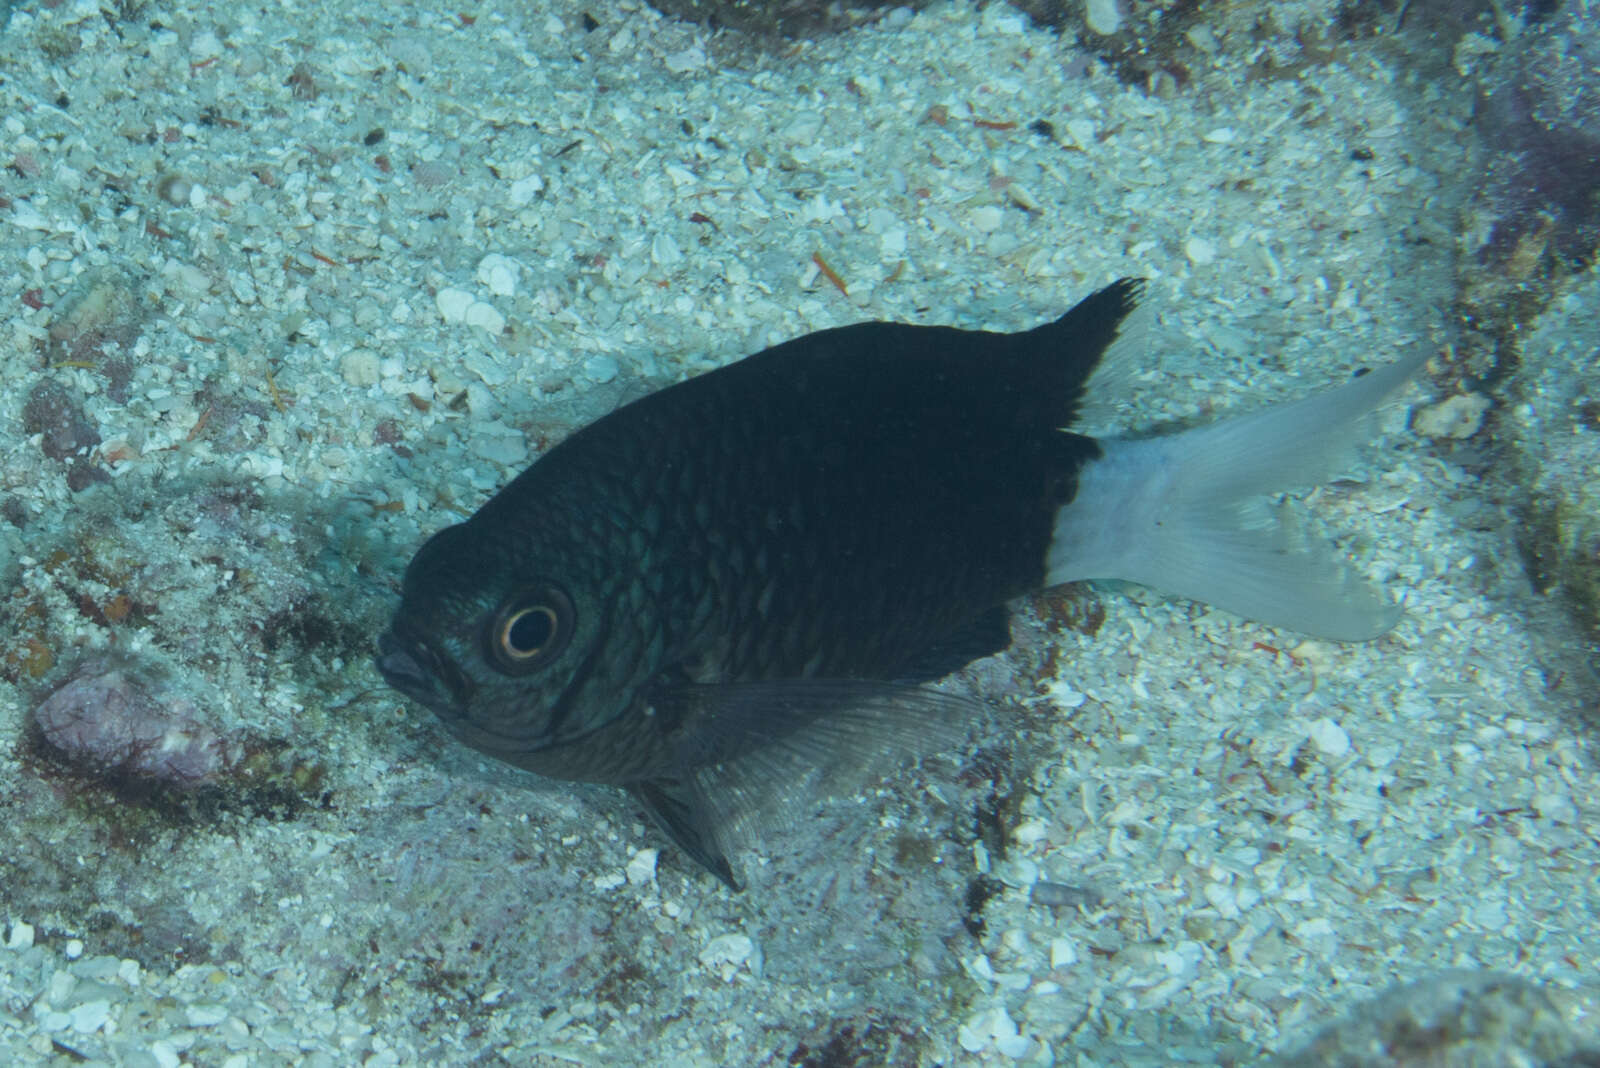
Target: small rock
56, 413
27, 217
1060, 895
1082, 132
360, 367
484, 316
91, 1016
973, 1039
1015, 1046
205, 45
107, 719
726, 954
502, 445
803, 128
600, 369
1456, 418
986, 219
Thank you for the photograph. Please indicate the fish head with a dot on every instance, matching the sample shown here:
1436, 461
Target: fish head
502, 639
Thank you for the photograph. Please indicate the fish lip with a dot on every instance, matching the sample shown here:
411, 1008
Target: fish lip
418, 670
411, 665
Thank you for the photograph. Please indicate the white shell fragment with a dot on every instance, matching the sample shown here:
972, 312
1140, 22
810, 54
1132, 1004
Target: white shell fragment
802, 128
499, 274
28, 217
1103, 16
642, 866
1200, 251
20, 936
453, 304
686, 60
526, 189
664, 250
1330, 739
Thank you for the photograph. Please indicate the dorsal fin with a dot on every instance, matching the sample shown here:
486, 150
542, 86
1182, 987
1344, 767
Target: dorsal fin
1089, 344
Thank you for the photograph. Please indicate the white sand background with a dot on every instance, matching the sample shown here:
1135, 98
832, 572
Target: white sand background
324, 231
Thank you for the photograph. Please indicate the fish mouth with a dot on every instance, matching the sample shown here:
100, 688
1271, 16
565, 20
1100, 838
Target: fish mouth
422, 673
410, 664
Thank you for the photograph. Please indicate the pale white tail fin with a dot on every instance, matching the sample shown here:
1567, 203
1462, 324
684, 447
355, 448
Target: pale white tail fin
1188, 514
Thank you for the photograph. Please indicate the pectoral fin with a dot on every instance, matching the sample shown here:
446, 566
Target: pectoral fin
747, 755
820, 721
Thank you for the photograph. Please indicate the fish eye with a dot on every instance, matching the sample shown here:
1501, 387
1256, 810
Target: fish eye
529, 630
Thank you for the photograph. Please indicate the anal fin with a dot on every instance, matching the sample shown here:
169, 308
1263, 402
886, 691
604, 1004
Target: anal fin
679, 808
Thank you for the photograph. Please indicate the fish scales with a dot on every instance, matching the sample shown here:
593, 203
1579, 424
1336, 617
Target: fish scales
745, 574
831, 506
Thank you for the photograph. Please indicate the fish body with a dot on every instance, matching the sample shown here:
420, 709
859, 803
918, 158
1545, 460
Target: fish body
714, 590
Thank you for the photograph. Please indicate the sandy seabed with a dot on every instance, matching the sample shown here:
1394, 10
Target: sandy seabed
289, 288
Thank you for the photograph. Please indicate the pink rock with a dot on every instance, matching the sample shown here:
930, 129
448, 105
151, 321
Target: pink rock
109, 720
